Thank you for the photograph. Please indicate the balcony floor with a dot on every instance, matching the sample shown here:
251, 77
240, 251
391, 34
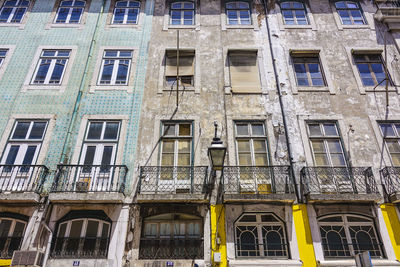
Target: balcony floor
89, 197
395, 197
19, 197
169, 197
259, 197
373, 197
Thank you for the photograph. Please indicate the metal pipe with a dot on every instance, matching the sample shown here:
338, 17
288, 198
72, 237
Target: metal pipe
81, 87
177, 68
281, 105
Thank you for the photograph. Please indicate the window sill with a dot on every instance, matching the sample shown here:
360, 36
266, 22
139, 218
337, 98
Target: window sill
370, 89
240, 26
375, 262
181, 89
182, 26
128, 88
65, 25
133, 26
314, 89
258, 262
298, 27
44, 88
364, 26
20, 25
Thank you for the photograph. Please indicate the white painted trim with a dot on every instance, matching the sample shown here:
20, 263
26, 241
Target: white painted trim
140, 20
253, 15
197, 16
51, 24
20, 25
283, 26
7, 59
384, 234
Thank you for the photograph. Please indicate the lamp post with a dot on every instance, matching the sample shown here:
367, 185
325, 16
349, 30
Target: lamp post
216, 152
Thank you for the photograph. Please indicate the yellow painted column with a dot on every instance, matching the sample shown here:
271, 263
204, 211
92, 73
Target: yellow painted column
393, 226
5, 263
218, 224
303, 233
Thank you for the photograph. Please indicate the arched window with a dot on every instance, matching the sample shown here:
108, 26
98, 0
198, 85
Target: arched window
172, 236
12, 230
182, 13
126, 12
13, 11
260, 235
70, 11
238, 13
294, 13
350, 12
82, 238
348, 235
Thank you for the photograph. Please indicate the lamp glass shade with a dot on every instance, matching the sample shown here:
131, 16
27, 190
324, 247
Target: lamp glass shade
217, 157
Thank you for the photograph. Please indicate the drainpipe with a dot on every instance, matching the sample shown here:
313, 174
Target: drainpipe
46, 255
81, 88
278, 88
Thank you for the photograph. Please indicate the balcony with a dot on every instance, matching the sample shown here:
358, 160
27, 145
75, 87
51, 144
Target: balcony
272, 183
89, 183
81, 248
8, 245
21, 183
389, 12
391, 181
339, 184
162, 183
171, 248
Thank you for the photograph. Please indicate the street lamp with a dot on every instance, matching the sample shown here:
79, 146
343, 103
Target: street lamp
216, 152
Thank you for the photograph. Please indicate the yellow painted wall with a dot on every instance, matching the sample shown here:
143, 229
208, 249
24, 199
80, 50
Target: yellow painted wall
303, 233
5, 263
218, 217
393, 226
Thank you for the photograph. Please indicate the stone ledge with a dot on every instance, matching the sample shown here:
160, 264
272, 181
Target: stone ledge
352, 262
263, 262
260, 197
194, 198
82, 262
344, 197
89, 197
19, 197
163, 263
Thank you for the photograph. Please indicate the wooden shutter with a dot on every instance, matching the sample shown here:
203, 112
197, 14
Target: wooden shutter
186, 63
244, 73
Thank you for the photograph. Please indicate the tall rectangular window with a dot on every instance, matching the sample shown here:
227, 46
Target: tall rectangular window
244, 74
24, 143
70, 11
294, 13
350, 12
3, 53
182, 13
126, 12
391, 134
115, 67
176, 148
51, 67
326, 144
13, 11
308, 70
186, 68
371, 69
251, 144
238, 13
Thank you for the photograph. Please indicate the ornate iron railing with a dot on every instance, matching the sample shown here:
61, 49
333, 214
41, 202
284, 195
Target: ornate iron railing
390, 177
8, 245
22, 178
161, 179
171, 248
272, 250
89, 247
90, 178
261, 180
338, 180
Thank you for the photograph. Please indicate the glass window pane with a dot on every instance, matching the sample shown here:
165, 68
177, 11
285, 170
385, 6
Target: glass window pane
165, 229
132, 16
387, 130
37, 130
169, 129
184, 129
338, 160
95, 130
340, 5
76, 228
318, 146
5, 14
5, 226
168, 146
30, 153
89, 157
259, 146
105, 231
344, 15
257, 129
248, 218
334, 146
107, 72
18, 15
184, 146
321, 160
244, 159
57, 71
393, 146
242, 129
21, 130
167, 160
315, 130
111, 131
12, 155
61, 231
261, 160
62, 15
184, 160
76, 15
395, 159
330, 129
365, 74
92, 228
351, 5
119, 14
122, 74
107, 155
150, 230
332, 219
243, 145
268, 218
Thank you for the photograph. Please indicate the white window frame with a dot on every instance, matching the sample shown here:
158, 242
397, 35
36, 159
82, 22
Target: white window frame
391, 138
124, 22
346, 226
6, 59
237, 10
3, 57
70, 9
53, 62
117, 60
84, 227
325, 139
182, 10
348, 11
14, 8
368, 9
12, 229
259, 224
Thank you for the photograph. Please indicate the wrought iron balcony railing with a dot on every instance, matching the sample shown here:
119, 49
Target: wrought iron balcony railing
8, 245
168, 248
22, 178
338, 180
260, 180
162, 179
391, 180
90, 178
89, 247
